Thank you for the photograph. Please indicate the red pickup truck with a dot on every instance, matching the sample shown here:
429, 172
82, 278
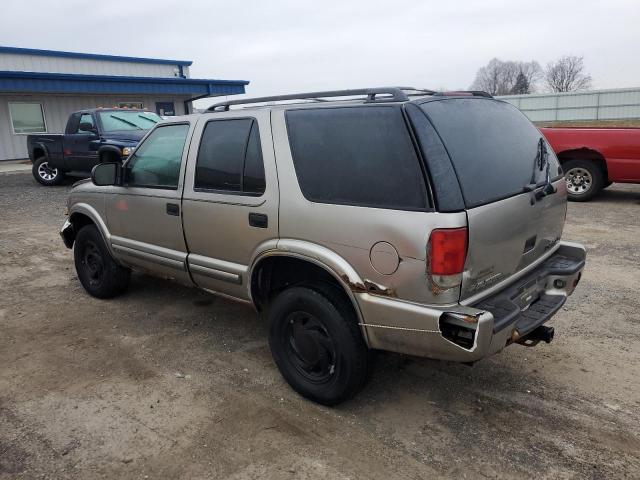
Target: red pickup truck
594, 158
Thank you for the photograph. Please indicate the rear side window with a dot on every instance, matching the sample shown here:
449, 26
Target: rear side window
230, 157
492, 146
359, 156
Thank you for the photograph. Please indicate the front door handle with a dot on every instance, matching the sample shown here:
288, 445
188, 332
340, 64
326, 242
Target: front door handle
173, 209
259, 220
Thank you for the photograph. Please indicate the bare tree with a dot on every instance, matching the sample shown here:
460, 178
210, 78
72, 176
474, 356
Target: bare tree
499, 77
567, 74
491, 77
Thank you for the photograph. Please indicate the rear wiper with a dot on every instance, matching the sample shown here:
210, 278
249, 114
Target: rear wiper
541, 161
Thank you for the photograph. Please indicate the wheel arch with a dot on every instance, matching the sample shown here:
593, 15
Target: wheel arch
39, 150
586, 154
82, 214
109, 151
296, 262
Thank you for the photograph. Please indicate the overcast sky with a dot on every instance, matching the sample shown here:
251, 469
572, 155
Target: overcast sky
288, 46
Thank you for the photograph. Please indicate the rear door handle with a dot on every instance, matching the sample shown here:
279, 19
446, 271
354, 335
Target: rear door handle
173, 209
259, 220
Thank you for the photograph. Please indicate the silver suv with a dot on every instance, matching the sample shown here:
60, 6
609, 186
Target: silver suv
420, 222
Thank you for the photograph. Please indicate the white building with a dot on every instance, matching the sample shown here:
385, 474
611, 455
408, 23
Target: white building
40, 88
614, 104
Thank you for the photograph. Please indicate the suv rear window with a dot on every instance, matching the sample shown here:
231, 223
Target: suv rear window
359, 156
492, 146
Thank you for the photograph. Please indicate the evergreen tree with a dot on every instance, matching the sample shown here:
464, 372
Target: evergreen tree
522, 85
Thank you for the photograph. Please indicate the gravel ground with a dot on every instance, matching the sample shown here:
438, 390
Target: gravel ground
169, 382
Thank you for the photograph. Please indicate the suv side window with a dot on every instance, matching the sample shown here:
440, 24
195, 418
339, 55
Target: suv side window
230, 157
359, 156
85, 118
156, 162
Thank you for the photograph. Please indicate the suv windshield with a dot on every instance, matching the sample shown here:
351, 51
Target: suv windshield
115, 120
494, 148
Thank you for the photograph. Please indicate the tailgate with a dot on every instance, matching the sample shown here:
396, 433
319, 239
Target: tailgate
499, 157
508, 235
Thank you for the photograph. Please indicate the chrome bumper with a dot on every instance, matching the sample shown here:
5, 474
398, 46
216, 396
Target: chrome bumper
504, 317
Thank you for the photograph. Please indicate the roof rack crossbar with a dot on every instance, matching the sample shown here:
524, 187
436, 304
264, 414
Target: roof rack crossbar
473, 93
388, 94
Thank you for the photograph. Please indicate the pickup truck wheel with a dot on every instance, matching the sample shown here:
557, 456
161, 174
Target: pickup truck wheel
317, 345
584, 179
97, 271
46, 174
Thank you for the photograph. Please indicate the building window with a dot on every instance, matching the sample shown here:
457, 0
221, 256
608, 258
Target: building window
27, 118
138, 105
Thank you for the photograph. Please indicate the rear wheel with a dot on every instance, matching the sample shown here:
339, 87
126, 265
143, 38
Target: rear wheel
317, 345
45, 173
584, 179
98, 272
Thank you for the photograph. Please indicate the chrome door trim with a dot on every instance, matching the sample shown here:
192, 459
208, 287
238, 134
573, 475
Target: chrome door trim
216, 274
148, 252
217, 269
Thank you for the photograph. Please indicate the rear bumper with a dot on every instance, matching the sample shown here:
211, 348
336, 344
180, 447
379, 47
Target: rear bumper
496, 321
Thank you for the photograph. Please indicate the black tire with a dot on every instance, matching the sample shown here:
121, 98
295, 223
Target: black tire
317, 344
585, 179
97, 271
45, 174
607, 184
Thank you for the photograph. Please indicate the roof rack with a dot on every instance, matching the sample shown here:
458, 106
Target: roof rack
387, 94
471, 93
391, 94
413, 91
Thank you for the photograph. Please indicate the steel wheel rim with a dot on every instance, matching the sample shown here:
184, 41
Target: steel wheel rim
579, 181
309, 347
46, 172
93, 264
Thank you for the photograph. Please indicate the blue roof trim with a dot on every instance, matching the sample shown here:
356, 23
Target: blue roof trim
92, 56
22, 82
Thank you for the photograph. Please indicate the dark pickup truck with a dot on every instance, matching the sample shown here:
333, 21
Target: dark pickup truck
92, 136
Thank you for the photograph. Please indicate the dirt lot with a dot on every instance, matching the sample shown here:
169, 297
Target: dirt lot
167, 382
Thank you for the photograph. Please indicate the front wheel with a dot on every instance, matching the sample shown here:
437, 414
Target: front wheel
45, 173
584, 179
317, 344
97, 271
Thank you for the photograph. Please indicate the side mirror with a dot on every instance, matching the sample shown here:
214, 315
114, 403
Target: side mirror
87, 127
105, 174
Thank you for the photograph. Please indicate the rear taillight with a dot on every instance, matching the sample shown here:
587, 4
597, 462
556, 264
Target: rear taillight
447, 251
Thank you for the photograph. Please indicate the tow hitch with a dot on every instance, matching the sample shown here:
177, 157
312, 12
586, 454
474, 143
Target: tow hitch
531, 339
